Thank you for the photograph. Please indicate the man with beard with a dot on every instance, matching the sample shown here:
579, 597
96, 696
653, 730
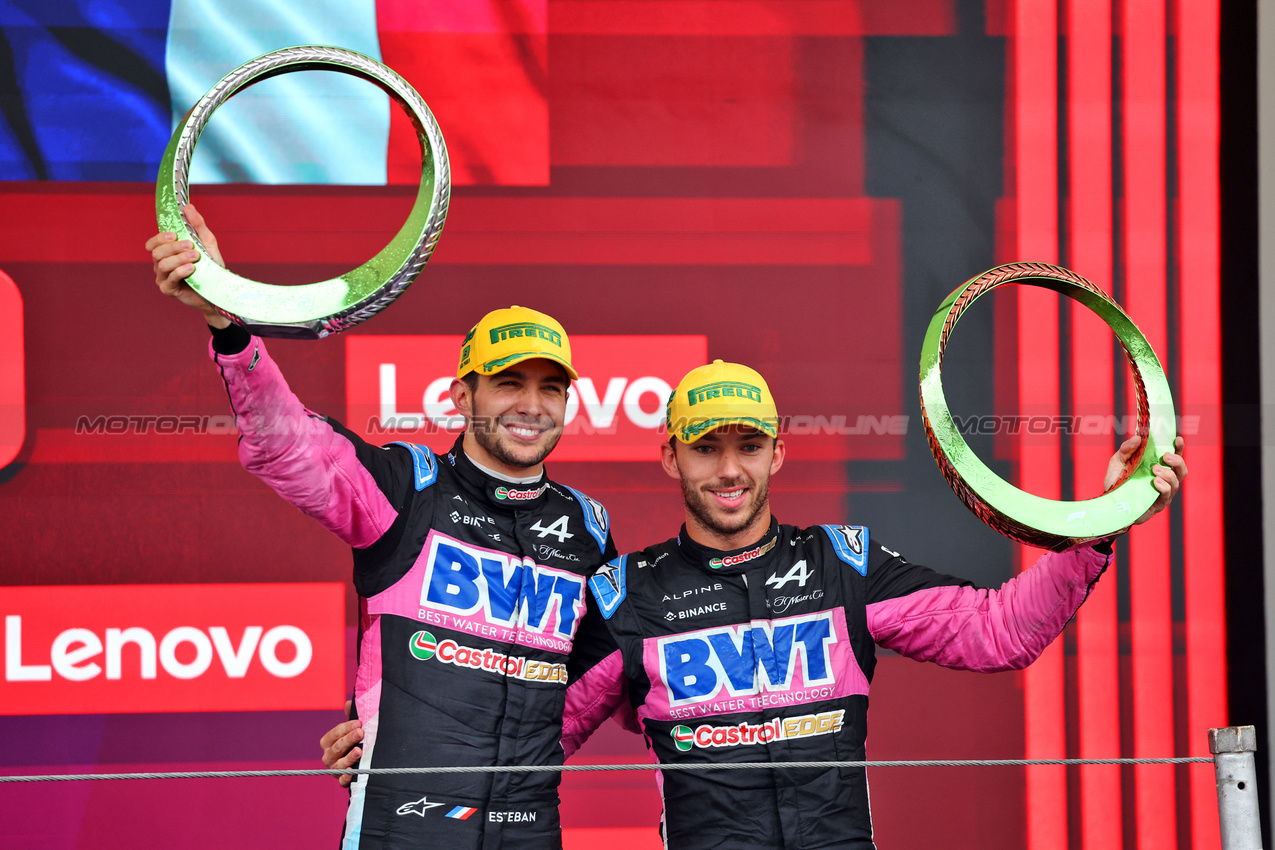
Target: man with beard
743, 640
467, 615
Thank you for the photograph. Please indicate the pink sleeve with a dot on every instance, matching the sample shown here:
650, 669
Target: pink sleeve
298, 453
967, 628
598, 694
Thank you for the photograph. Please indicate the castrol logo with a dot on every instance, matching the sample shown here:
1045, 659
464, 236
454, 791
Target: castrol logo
744, 557
519, 495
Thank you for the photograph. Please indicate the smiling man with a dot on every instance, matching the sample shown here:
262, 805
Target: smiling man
467, 614
743, 640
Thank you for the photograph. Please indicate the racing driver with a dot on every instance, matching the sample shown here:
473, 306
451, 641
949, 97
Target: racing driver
743, 640
467, 615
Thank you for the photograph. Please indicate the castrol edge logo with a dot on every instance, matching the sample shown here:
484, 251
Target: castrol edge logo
424, 646
166, 648
397, 389
746, 734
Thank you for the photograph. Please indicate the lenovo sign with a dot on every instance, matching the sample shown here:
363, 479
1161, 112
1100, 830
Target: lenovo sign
397, 389
186, 647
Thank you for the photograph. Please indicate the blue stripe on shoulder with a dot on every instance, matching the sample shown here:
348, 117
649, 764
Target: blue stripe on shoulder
595, 517
608, 586
424, 464
851, 545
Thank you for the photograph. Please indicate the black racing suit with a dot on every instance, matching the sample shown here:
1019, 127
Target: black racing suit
471, 593
765, 654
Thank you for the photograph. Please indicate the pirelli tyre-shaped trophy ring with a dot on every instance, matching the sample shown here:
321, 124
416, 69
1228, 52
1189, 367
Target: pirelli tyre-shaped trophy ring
1049, 524
312, 310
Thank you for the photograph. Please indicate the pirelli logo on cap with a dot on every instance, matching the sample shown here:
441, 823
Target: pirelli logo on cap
526, 330
724, 389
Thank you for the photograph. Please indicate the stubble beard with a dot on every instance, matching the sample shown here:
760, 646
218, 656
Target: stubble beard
486, 431
701, 508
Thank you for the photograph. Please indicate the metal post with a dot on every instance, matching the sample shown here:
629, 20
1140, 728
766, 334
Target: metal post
1233, 749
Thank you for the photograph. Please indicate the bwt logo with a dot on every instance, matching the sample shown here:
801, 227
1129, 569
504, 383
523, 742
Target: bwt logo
747, 659
509, 591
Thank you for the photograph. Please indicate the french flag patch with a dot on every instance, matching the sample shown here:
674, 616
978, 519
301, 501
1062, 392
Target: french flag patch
461, 812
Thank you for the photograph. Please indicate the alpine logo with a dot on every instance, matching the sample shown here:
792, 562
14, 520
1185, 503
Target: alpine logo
423, 646
558, 529
520, 495
744, 557
745, 734
798, 573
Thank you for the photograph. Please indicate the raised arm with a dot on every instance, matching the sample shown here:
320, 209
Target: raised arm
930, 617
351, 488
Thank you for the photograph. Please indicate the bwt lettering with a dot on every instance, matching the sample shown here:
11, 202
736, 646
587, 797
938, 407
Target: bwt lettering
509, 591
747, 659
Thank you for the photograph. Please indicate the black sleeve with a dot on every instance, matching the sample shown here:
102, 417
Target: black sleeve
392, 468
231, 339
890, 575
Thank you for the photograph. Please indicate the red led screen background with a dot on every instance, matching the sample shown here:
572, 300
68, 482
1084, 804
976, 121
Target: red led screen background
792, 185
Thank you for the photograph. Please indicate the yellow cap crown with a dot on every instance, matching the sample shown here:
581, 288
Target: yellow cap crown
512, 334
721, 394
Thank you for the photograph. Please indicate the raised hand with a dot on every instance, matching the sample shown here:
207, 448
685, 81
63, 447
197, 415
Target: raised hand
174, 261
1168, 475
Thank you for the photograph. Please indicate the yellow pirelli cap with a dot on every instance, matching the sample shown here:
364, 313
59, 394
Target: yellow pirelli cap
510, 335
721, 394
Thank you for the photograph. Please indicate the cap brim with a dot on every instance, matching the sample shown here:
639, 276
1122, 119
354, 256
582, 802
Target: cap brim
494, 366
692, 431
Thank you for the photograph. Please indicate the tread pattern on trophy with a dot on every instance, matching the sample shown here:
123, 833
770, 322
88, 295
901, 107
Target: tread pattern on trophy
971, 290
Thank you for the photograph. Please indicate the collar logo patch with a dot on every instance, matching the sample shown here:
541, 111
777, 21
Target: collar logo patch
513, 495
744, 557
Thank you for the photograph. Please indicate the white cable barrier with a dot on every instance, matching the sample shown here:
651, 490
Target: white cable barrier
1232, 747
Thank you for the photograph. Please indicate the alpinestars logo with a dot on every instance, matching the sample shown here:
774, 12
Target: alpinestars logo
798, 573
745, 734
744, 557
520, 495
